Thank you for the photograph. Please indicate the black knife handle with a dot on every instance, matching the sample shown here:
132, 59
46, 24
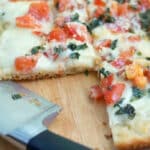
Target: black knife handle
50, 141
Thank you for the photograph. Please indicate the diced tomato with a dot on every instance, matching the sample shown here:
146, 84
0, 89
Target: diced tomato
57, 34
27, 21
99, 3
128, 53
64, 4
118, 63
25, 63
77, 31
118, 9
114, 93
98, 12
134, 38
145, 3
106, 82
38, 33
147, 74
40, 10
116, 28
121, 62
105, 43
96, 92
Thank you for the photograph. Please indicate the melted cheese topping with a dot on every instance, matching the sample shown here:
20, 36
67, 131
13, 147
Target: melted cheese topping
63, 62
13, 45
9, 11
140, 105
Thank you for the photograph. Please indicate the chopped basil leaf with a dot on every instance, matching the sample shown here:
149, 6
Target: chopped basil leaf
93, 24
145, 21
104, 72
74, 55
147, 58
2, 14
106, 17
114, 44
139, 53
121, 1
137, 94
73, 46
86, 72
75, 17
148, 91
36, 49
58, 50
16, 96
126, 110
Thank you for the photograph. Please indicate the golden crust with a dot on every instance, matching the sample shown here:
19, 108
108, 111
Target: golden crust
43, 75
132, 135
136, 144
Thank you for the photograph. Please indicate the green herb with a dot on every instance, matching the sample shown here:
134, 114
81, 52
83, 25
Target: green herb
147, 58
106, 17
145, 21
74, 55
148, 91
139, 53
126, 110
75, 17
2, 14
36, 49
58, 50
114, 44
86, 72
73, 46
104, 72
16, 96
121, 1
93, 24
137, 93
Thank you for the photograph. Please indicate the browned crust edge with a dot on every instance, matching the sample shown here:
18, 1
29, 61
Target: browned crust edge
42, 75
136, 144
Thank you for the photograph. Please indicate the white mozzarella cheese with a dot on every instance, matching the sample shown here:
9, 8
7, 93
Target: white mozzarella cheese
15, 42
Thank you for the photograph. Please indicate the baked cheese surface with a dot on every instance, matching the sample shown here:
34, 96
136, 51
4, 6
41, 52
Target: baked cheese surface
48, 38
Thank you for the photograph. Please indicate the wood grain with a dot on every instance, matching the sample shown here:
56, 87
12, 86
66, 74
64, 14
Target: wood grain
81, 119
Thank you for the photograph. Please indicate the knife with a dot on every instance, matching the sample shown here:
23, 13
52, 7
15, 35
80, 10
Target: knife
24, 118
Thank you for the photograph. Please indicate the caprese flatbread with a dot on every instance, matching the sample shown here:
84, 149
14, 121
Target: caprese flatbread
33, 46
121, 36
47, 38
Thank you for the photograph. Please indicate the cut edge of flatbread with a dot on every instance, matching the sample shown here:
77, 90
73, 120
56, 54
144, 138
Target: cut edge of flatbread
44, 74
128, 138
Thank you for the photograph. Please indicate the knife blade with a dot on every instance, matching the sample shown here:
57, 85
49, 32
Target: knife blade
24, 118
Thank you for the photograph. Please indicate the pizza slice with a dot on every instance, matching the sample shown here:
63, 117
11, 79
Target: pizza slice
32, 46
124, 74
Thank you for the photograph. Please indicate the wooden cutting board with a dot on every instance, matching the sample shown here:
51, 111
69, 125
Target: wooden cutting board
81, 119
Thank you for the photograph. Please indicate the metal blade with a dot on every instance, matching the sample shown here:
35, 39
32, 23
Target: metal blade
19, 105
